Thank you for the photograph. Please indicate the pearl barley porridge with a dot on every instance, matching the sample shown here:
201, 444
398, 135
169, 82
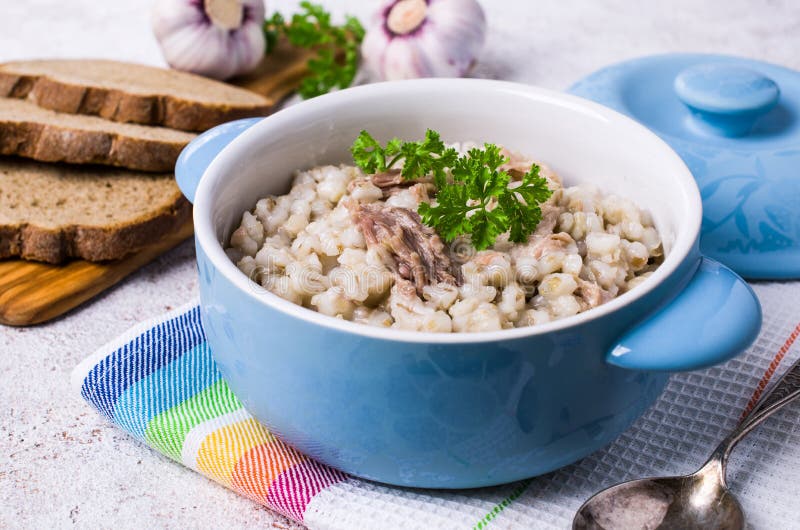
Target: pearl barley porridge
351, 245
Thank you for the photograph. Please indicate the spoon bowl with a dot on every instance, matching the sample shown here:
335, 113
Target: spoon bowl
700, 501
689, 502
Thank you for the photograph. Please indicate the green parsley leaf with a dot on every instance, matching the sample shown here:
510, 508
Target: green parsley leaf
336, 62
479, 198
428, 157
485, 226
368, 153
272, 30
525, 215
450, 215
393, 148
483, 184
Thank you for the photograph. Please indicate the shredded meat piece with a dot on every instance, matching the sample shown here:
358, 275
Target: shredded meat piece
388, 179
544, 245
517, 164
422, 191
593, 294
406, 288
390, 182
415, 252
549, 219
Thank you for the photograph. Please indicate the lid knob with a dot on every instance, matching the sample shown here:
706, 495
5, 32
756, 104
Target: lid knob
726, 99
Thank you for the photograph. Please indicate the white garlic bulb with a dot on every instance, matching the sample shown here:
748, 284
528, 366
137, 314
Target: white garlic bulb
214, 38
424, 38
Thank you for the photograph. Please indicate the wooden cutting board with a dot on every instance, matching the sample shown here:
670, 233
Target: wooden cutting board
32, 293
279, 74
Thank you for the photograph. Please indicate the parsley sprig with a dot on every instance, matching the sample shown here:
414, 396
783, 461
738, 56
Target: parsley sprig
336, 61
428, 157
478, 198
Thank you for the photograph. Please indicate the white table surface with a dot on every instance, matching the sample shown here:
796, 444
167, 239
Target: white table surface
61, 464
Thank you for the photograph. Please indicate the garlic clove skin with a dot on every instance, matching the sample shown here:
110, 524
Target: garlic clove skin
403, 60
182, 52
191, 41
424, 38
249, 45
373, 48
459, 22
172, 15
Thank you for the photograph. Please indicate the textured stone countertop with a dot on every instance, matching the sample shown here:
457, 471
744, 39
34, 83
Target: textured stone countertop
61, 464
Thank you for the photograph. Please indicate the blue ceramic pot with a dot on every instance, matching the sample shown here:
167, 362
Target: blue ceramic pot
464, 409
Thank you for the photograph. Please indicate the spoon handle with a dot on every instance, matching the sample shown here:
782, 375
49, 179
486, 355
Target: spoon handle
784, 391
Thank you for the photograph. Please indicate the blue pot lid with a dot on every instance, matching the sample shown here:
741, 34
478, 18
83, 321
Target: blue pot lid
736, 124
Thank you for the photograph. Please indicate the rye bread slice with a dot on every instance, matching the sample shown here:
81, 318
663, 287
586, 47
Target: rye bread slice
42, 134
129, 92
53, 212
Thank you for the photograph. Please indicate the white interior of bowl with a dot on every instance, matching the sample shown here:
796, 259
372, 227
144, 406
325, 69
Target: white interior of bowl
581, 141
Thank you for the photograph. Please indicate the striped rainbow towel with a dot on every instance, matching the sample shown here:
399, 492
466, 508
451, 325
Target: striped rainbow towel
159, 383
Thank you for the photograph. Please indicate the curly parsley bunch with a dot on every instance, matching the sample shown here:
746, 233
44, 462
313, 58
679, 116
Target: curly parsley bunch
478, 199
336, 61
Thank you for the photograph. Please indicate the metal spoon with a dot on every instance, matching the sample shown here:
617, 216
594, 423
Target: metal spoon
698, 501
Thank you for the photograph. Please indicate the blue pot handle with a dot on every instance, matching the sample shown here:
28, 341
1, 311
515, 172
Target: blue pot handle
713, 319
195, 157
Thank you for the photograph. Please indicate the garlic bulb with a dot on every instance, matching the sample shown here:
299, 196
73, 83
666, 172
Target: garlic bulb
424, 38
214, 38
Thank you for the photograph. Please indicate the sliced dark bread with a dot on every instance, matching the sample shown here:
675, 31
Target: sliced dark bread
129, 92
33, 132
53, 212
